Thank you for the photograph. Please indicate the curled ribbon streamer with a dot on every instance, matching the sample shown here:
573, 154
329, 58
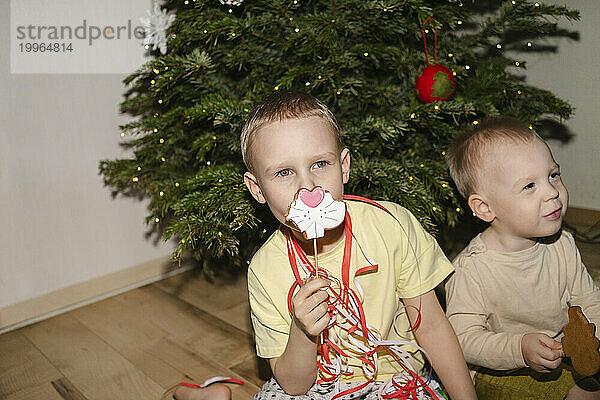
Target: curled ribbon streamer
361, 341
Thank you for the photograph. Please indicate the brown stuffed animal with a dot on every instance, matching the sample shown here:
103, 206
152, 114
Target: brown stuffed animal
580, 344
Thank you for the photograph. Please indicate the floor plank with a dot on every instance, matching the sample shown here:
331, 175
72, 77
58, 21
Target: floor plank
96, 369
197, 329
24, 371
45, 391
225, 297
67, 390
238, 316
119, 322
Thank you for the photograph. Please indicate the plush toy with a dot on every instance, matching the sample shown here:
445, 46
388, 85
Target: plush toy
435, 83
580, 343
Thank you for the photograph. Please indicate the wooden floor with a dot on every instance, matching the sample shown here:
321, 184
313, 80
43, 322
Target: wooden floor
137, 344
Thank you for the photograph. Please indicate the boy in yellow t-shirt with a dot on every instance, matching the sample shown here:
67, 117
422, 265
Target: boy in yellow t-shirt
292, 141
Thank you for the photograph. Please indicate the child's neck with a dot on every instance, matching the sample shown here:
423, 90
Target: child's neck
326, 243
500, 241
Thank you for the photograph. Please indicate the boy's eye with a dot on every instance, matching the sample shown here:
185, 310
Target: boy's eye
284, 172
529, 186
555, 175
321, 164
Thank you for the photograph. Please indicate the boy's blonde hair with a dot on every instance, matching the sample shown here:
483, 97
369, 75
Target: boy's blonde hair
467, 152
278, 107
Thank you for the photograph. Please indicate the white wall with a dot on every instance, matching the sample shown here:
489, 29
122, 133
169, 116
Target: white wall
59, 224
574, 75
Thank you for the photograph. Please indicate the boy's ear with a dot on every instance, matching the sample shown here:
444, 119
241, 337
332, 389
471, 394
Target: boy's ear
345, 159
480, 207
254, 188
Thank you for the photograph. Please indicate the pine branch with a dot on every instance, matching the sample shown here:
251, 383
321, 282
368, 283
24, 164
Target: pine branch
361, 57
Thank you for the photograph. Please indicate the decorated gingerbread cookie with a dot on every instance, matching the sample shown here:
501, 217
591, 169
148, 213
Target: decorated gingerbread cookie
580, 343
314, 211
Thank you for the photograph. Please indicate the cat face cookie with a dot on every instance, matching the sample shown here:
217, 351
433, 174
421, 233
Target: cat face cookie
314, 211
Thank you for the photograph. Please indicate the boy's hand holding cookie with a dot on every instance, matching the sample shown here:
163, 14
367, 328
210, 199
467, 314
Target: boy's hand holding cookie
310, 308
541, 352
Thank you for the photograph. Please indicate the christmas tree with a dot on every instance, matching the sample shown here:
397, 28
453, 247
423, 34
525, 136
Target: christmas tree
360, 57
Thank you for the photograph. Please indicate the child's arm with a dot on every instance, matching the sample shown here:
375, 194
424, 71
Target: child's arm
437, 337
296, 369
468, 314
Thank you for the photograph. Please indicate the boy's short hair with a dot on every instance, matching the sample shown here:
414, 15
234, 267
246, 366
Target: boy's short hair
280, 106
466, 154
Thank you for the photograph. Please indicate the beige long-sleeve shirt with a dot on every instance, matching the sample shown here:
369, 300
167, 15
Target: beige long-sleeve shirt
494, 298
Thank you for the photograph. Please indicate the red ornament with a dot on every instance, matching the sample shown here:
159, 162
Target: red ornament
435, 83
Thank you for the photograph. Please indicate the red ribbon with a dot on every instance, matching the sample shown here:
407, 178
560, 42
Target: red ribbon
434, 43
344, 295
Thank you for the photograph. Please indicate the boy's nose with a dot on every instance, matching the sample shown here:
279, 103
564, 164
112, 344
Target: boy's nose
552, 192
307, 182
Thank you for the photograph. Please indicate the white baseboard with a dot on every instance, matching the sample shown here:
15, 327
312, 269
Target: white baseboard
39, 308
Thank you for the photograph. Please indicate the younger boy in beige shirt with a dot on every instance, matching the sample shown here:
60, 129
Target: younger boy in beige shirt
515, 281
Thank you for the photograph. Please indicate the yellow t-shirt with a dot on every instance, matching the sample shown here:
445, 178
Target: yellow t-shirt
410, 262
